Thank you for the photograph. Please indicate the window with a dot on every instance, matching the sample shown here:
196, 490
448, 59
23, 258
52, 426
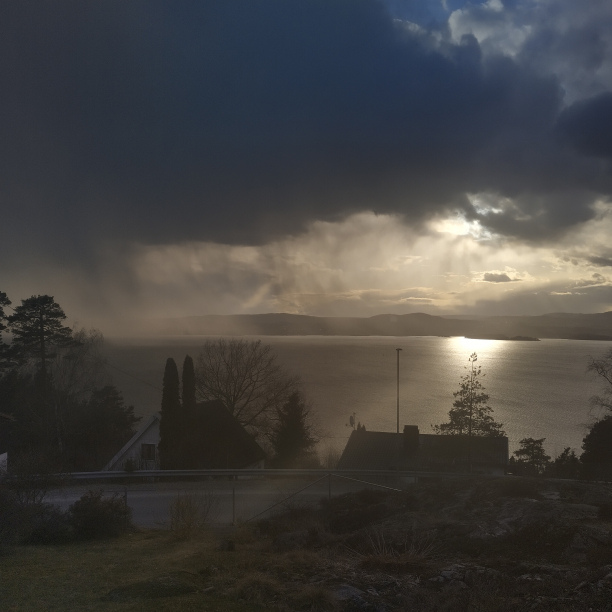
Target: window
148, 452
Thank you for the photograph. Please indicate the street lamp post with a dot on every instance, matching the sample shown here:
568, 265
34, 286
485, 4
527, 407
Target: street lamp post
398, 352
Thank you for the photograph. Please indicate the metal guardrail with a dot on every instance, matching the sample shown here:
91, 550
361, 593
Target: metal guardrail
261, 472
223, 472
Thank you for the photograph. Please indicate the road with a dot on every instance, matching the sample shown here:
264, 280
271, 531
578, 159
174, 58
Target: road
244, 498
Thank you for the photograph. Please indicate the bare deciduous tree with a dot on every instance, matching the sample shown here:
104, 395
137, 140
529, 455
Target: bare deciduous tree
602, 367
246, 377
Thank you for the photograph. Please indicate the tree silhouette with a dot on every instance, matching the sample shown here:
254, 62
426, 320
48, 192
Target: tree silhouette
103, 425
531, 458
566, 465
189, 418
597, 446
5, 349
188, 380
37, 329
246, 377
170, 425
4, 301
470, 414
293, 437
602, 367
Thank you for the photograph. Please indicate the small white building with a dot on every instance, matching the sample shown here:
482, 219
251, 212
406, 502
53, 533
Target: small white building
141, 452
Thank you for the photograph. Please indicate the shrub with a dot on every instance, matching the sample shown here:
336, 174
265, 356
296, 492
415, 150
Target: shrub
94, 516
566, 465
384, 551
46, 524
9, 517
32, 475
189, 512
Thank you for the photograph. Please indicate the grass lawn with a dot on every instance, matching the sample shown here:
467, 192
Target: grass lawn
81, 576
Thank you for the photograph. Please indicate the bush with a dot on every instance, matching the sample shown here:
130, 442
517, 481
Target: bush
189, 512
94, 516
9, 518
46, 524
566, 465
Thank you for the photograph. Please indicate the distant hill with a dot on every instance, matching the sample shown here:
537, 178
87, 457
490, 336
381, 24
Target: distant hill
555, 325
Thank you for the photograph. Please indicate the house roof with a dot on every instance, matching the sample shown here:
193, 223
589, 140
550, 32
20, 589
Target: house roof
371, 450
223, 442
379, 450
147, 423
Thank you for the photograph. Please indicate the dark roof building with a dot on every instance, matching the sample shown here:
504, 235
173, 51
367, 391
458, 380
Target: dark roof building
411, 450
221, 441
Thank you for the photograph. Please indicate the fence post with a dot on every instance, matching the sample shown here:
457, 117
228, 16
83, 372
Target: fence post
233, 505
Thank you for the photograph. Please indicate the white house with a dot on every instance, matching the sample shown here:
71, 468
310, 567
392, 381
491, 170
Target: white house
140, 453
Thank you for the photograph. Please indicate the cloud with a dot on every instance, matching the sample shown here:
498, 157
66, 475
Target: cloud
242, 122
587, 125
569, 39
492, 277
600, 261
245, 155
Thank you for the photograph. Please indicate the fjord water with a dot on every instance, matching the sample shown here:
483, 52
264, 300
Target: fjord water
537, 389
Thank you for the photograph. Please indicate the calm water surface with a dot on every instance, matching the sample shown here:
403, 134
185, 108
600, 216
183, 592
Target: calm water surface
537, 389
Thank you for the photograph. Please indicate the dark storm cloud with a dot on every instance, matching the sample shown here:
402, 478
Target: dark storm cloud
493, 277
165, 121
587, 125
602, 262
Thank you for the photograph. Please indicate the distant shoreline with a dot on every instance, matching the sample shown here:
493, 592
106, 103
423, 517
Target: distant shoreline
563, 326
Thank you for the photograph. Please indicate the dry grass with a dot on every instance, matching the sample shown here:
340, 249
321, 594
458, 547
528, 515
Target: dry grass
380, 550
190, 512
77, 577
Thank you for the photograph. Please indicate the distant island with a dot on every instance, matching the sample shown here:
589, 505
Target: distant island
502, 337
568, 326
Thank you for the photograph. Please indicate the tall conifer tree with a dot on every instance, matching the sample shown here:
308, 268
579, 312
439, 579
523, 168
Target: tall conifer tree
189, 390
170, 429
189, 414
293, 437
37, 330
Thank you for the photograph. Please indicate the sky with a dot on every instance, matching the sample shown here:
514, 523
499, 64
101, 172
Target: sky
166, 158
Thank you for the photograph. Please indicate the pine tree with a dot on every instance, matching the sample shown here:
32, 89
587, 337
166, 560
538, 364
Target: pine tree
470, 414
531, 459
292, 438
170, 426
566, 465
37, 330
